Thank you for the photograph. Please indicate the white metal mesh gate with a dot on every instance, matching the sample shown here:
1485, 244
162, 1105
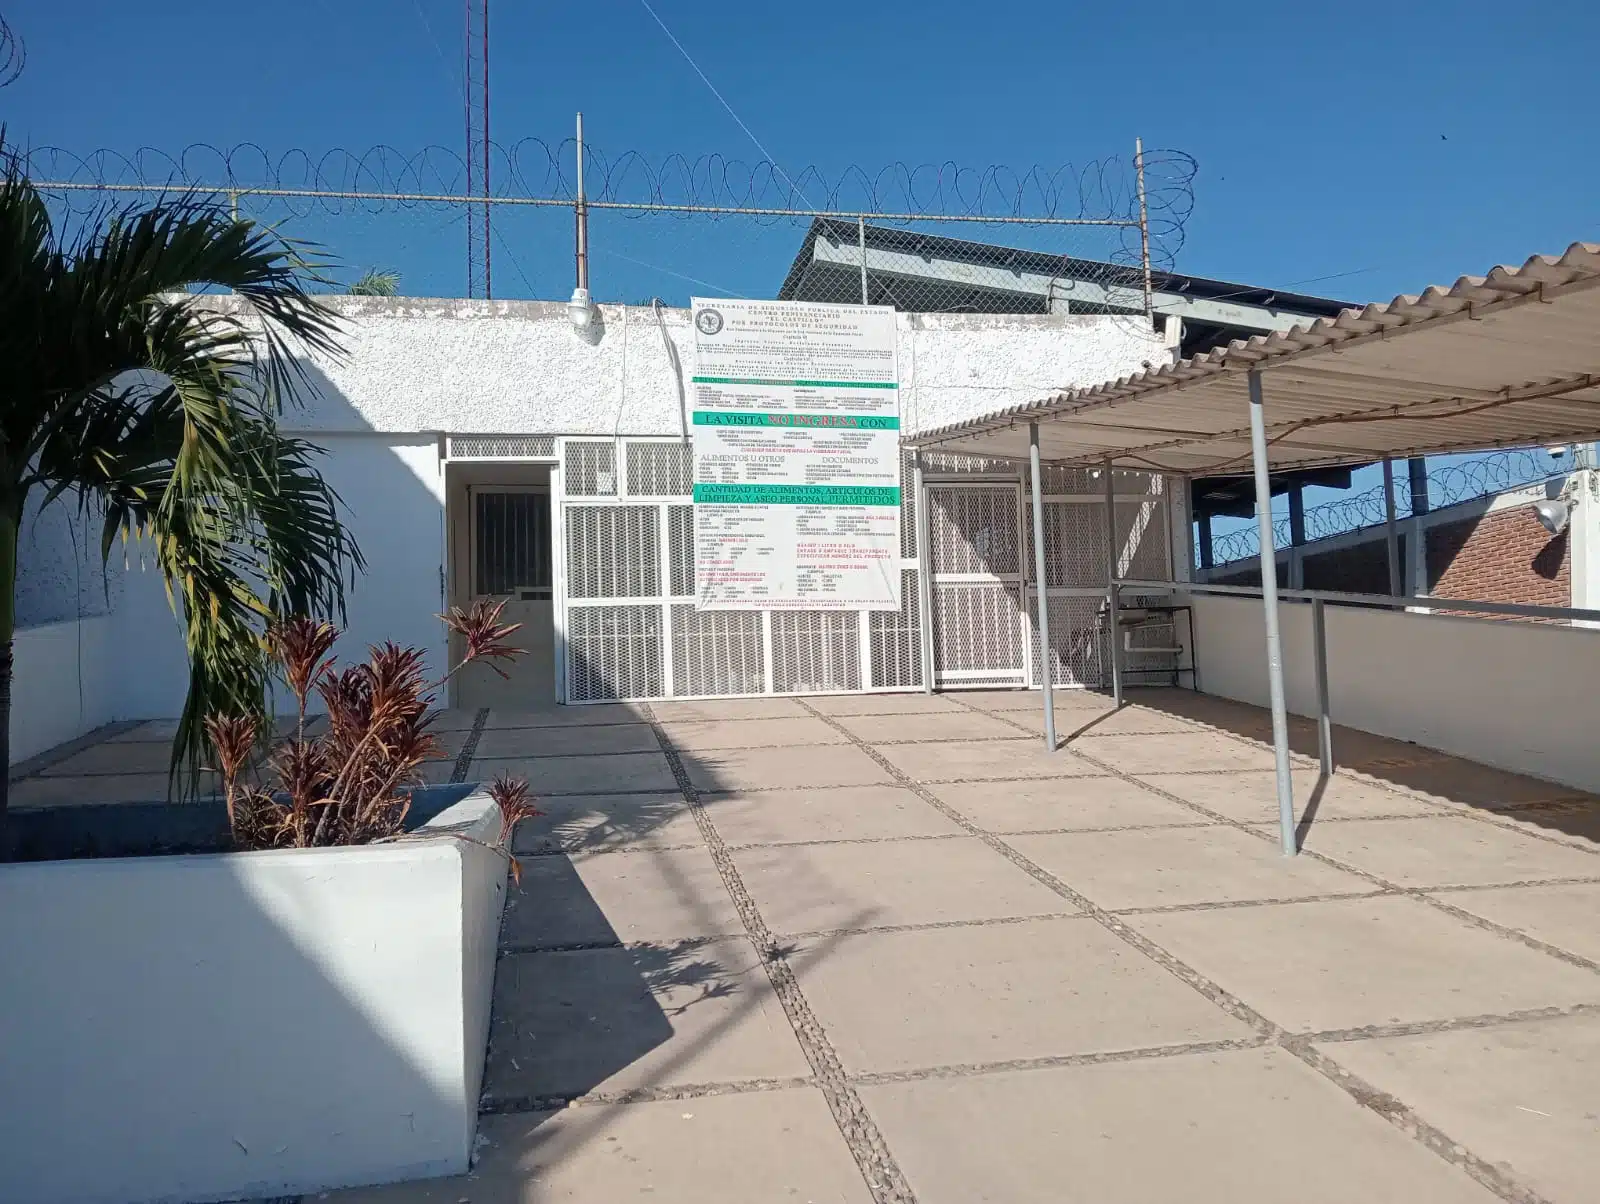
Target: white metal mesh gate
985, 599
625, 584
631, 630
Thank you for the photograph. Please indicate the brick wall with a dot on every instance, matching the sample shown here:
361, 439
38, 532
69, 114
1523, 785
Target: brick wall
1357, 568
1506, 556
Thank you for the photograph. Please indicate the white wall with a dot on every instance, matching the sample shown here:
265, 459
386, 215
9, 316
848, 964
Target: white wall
1518, 696
246, 1024
64, 675
517, 367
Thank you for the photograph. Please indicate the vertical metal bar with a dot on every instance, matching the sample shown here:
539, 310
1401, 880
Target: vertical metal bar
1417, 469
1113, 593
924, 573
1319, 654
1269, 604
861, 243
664, 584
1391, 530
864, 673
1207, 554
1144, 224
1297, 515
1046, 674
771, 674
581, 209
488, 286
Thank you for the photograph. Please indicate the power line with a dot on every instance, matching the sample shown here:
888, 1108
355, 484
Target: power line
655, 267
723, 101
444, 62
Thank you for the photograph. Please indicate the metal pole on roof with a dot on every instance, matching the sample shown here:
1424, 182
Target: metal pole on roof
1046, 670
861, 242
1391, 530
581, 210
1269, 604
1113, 593
1144, 225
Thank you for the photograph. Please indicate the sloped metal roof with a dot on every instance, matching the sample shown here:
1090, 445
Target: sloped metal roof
1509, 358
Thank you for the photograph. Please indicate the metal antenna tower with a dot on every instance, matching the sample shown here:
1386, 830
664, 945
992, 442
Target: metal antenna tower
477, 113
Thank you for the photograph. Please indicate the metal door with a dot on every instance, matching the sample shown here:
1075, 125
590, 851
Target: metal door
975, 562
511, 563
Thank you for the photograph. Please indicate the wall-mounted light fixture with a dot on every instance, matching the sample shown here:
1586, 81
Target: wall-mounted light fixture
1554, 514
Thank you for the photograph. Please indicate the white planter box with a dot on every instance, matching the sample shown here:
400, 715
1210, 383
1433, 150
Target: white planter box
246, 1024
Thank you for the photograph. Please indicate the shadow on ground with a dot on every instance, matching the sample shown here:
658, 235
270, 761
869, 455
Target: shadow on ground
1399, 764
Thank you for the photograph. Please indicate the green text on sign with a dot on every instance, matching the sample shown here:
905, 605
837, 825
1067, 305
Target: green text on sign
860, 422
799, 495
796, 384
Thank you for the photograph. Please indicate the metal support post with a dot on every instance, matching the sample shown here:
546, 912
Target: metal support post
1391, 530
924, 573
1269, 604
1112, 591
1144, 226
1319, 655
580, 211
1207, 555
1046, 674
861, 243
1417, 467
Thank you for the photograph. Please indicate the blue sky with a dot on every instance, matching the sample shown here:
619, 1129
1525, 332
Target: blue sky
1353, 152
1404, 147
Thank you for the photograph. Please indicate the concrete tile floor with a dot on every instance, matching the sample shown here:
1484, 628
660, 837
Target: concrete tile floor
743, 967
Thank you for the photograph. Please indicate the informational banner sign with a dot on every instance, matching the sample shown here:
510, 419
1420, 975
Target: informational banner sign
796, 413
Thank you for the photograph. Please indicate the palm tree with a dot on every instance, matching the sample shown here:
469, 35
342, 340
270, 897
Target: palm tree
375, 283
154, 411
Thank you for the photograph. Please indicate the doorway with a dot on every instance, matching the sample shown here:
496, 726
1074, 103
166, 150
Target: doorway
504, 553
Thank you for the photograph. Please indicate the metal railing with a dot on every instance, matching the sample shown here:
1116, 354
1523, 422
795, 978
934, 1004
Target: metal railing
1319, 601
1423, 605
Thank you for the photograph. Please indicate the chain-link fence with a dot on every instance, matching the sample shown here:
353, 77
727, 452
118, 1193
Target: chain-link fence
934, 238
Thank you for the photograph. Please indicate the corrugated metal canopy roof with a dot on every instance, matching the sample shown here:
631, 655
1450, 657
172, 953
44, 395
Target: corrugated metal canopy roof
1499, 360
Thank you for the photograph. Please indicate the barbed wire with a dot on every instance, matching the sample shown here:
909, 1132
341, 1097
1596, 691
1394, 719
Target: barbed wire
13, 54
1447, 486
533, 170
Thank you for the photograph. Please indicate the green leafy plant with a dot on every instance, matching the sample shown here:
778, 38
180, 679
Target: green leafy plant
374, 283
349, 785
155, 409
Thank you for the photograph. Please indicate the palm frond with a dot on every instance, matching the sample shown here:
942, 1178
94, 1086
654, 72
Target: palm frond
157, 409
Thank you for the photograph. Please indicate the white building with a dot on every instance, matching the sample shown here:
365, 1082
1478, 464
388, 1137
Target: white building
484, 448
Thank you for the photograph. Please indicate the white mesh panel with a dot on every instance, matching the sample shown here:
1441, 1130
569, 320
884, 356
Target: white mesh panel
958, 462
660, 470
680, 550
908, 506
1077, 640
613, 552
1057, 479
1074, 544
614, 652
716, 652
977, 629
815, 651
502, 447
590, 469
896, 639
973, 530
1142, 540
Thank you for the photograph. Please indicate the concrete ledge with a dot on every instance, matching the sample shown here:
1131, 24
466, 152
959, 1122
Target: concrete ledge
234, 1025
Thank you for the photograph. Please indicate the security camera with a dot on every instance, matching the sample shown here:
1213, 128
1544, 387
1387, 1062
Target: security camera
1557, 451
1554, 514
